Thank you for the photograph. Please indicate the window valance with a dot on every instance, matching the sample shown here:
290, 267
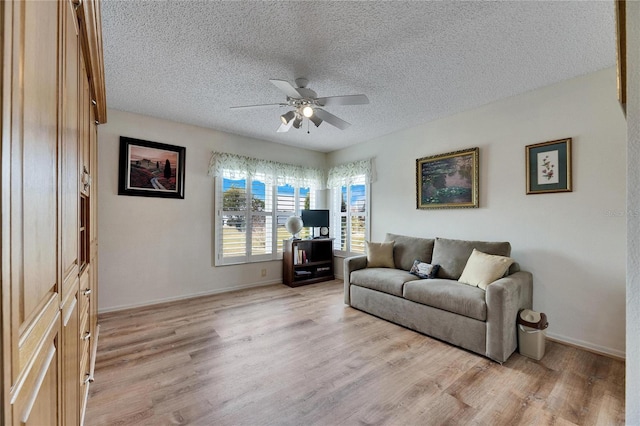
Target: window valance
343, 174
232, 166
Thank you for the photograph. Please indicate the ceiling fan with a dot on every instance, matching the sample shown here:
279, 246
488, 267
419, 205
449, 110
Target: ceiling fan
305, 103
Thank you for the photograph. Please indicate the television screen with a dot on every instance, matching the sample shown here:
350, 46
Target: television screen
315, 218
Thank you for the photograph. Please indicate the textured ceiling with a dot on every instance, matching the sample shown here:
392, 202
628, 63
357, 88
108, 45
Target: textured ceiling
189, 61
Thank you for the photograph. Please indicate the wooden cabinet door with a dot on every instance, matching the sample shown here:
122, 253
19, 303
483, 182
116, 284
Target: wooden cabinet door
69, 163
31, 286
69, 217
70, 359
93, 229
36, 400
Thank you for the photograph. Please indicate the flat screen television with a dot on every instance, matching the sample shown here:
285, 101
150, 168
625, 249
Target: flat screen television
315, 218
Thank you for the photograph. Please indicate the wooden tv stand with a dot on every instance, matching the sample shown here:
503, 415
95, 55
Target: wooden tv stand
307, 261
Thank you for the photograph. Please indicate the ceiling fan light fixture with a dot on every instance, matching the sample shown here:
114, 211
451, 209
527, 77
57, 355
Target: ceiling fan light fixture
316, 120
307, 111
287, 117
303, 102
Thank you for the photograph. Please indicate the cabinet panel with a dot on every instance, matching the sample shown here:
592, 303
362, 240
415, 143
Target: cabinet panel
31, 339
85, 362
45, 409
93, 230
69, 173
70, 359
85, 291
37, 158
32, 133
30, 245
35, 401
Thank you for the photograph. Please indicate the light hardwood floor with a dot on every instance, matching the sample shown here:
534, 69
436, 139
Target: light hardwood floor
298, 356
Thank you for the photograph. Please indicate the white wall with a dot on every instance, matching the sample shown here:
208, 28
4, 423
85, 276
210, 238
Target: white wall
633, 218
573, 243
155, 249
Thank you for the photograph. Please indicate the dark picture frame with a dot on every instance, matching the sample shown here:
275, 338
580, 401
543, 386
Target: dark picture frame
621, 52
151, 169
448, 180
549, 167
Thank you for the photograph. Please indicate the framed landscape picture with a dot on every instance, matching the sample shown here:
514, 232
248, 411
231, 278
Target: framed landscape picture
448, 180
151, 169
549, 167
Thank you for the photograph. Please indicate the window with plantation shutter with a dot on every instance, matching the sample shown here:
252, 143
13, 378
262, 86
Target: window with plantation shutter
233, 218
349, 184
253, 200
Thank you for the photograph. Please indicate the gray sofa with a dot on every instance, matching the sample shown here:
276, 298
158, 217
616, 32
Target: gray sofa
470, 317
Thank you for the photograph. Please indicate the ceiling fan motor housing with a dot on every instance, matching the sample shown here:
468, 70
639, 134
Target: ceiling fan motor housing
301, 82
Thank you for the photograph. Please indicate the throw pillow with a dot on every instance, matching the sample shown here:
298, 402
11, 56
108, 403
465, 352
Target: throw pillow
482, 269
380, 255
424, 270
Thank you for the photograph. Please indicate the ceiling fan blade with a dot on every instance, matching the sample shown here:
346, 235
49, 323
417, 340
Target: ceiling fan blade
343, 100
287, 88
257, 106
285, 127
331, 119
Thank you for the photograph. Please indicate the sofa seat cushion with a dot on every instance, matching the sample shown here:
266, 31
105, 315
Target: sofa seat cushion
385, 280
448, 295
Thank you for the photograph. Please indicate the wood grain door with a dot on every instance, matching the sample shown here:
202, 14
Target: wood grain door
30, 181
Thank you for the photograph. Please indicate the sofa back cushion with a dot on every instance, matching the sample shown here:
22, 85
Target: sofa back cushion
452, 255
408, 249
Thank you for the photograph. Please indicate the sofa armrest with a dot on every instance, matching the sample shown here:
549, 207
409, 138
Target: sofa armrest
352, 264
505, 298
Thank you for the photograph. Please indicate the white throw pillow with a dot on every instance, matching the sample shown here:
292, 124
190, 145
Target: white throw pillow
482, 269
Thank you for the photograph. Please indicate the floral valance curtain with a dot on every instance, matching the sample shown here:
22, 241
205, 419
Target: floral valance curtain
232, 166
343, 174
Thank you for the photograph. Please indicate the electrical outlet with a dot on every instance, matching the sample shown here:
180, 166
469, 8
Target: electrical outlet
263, 273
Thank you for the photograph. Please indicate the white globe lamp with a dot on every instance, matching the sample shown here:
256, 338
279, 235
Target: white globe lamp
293, 225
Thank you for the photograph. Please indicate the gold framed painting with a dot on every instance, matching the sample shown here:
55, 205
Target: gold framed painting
549, 167
448, 180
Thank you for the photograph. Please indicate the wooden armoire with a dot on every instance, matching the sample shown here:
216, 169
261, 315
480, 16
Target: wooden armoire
53, 99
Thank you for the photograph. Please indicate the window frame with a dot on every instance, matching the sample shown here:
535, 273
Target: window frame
337, 215
274, 214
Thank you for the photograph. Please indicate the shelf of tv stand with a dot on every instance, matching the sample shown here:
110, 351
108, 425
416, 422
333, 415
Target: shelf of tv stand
306, 265
317, 261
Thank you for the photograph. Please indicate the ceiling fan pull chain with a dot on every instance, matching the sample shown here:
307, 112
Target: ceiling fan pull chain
308, 126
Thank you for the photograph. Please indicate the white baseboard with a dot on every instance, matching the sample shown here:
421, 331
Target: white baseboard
603, 350
187, 296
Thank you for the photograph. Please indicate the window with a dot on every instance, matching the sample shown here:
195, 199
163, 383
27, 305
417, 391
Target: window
253, 200
350, 206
